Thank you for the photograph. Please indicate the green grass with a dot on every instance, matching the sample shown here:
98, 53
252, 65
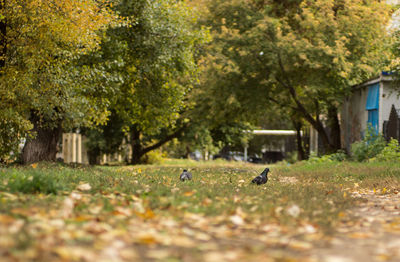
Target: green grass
153, 193
218, 188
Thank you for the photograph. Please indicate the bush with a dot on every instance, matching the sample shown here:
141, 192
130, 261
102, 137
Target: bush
153, 157
339, 156
33, 182
391, 152
369, 147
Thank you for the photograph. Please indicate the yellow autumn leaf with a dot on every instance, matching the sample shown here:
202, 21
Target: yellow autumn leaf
147, 239
34, 165
189, 193
360, 235
83, 218
147, 214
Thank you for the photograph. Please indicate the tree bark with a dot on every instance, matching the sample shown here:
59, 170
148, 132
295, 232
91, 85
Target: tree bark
43, 147
137, 151
3, 39
334, 125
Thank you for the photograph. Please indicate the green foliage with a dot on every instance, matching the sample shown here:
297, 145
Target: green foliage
33, 182
104, 139
155, 157
157, 65
303, 56
152, 58
12, 129
391, 152
371, 145
339, 156
41, 75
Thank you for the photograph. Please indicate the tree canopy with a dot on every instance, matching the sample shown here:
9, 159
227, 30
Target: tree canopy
40, 83
147, 70
154, 58
302, 55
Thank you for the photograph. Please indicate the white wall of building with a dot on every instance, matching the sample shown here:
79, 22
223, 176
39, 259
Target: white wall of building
388, 97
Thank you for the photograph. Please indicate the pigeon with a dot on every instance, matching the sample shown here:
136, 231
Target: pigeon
186, 175
262, 178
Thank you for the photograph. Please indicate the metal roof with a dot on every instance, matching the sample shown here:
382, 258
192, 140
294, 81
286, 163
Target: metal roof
275, 132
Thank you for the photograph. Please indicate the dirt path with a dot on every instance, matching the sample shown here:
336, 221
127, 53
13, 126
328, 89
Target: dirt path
369, 232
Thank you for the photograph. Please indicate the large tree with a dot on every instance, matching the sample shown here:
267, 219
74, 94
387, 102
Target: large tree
42, 88
301, 55
154, 54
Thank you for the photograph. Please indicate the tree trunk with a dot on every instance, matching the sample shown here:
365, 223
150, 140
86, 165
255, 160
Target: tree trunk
94, 157
301, 154
334, 125
43, 147
188, 151
137, 150
3, 39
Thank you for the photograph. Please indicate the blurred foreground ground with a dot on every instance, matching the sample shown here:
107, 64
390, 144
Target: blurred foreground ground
306, 212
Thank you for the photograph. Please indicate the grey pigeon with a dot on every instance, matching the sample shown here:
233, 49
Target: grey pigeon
186, 175
262, 178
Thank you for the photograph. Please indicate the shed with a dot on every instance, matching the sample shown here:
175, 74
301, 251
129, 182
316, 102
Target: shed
369, 103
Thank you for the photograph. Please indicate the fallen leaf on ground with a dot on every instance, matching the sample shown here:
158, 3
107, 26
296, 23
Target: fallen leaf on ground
300, 245
360, 235
147, 239
293, 210
237, 220
84, 187
189, 193
67, 207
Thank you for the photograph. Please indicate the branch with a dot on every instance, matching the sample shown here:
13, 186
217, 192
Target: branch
281, 104
169, 137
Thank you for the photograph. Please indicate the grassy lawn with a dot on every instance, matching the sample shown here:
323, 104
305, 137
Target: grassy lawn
53, 212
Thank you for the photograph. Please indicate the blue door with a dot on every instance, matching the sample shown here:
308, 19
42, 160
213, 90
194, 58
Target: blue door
373, 106
373, 119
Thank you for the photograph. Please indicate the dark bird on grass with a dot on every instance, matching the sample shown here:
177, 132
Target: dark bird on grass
262, 178
186, 175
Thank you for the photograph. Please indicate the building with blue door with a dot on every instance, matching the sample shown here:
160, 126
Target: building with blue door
368, 105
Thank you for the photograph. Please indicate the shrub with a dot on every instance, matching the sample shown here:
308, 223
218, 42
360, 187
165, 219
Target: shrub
369, 147
153, 157
391, 152
33, 182
339, 156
